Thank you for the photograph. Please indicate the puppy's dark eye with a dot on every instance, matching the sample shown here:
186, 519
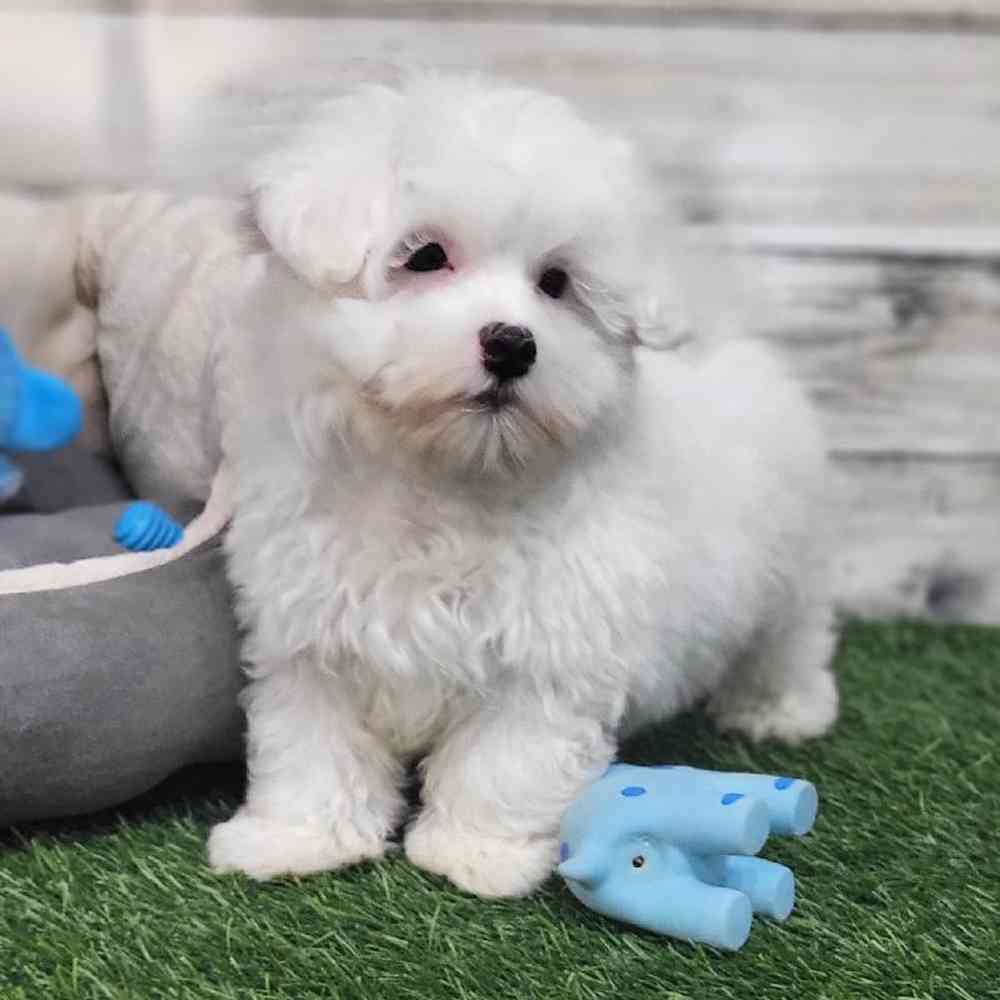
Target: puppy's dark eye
430, 257
553, 282
638, 861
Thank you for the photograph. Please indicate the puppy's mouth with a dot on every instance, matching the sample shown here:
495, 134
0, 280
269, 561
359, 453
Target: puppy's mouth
496, 397
496, 430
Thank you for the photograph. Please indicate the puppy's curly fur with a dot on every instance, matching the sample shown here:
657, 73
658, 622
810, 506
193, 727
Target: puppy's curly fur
499, 576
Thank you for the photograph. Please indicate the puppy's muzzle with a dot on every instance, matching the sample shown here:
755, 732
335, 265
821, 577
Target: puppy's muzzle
508, 351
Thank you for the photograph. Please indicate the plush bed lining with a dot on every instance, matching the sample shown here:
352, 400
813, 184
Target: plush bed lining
63, 576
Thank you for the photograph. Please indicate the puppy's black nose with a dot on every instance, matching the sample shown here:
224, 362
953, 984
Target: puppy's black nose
508, 351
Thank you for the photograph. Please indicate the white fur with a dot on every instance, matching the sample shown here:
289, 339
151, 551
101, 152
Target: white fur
504, 591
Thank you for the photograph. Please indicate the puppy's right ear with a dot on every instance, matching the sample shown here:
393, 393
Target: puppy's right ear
322, 204
322, 219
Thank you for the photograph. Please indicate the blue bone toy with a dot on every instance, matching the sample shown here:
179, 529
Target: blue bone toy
38, 412
671, 849
143, 527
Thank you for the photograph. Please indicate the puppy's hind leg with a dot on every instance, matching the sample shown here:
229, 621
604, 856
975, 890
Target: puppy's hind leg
323, 792
783, 688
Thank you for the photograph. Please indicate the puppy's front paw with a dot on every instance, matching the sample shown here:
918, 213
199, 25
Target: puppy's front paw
795, 715
481, 864
263, 848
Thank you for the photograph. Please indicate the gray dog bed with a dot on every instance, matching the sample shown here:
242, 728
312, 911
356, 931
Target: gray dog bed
116, 669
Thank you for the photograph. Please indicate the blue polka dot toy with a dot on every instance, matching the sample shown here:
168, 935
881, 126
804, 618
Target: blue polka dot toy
672, 849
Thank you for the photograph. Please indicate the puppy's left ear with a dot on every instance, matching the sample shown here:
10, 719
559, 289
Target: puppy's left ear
322, 216
656, 306
660, 320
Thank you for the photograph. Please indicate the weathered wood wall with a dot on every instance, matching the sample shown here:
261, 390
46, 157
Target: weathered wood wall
848, 152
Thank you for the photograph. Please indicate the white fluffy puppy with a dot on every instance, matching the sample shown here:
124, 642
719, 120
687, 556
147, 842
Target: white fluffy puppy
478, 519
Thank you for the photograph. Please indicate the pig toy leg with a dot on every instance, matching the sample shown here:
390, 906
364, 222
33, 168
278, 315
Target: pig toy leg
689, 909
769, 886
791, 803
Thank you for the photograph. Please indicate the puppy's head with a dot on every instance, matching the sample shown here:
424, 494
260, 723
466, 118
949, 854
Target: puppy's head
474, 254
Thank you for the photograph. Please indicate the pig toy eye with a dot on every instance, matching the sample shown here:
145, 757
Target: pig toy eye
638, 861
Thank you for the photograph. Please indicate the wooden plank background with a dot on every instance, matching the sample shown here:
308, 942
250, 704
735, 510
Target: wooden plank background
847, 154
953, 15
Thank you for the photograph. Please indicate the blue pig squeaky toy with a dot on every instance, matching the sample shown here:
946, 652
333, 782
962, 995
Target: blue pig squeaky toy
38, 412
672, 849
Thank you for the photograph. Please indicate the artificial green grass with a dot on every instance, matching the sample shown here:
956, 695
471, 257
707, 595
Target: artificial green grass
899, 883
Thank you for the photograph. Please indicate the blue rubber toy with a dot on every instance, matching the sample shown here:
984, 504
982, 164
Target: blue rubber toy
143, 527
38, 412
671, 849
